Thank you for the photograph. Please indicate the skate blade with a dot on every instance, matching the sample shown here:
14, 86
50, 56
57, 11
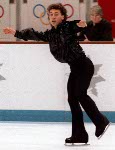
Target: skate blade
104, 131
76, 144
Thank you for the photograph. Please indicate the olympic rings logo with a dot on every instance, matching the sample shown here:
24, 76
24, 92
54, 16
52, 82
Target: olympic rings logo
72, 13
41, 15
2, 11
44, 12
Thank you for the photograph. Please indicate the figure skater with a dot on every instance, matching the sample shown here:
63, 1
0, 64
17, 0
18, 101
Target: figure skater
64, 46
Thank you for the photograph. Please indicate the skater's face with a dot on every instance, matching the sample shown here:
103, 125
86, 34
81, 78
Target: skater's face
55, 17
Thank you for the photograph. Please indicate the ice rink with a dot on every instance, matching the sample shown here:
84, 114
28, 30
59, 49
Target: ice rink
50, 136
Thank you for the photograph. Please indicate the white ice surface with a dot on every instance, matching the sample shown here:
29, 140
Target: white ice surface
49, 136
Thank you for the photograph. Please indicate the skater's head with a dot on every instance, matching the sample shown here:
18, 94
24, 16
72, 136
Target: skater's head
56, 14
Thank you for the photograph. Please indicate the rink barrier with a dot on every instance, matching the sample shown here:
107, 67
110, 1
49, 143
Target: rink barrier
46, 115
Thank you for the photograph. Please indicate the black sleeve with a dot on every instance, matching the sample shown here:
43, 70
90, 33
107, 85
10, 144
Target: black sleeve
74, 26
31, 34
82, 35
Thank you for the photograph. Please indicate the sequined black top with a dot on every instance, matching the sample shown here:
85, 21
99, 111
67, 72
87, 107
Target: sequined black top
63, 41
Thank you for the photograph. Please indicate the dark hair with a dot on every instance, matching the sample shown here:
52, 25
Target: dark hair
58, 6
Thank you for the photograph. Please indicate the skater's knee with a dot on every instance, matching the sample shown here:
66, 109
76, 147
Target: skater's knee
78, 97
81, 96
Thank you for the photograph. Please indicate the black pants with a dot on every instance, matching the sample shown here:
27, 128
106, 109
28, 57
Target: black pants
78, 83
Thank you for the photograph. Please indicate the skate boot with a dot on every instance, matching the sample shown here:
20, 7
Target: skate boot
77, 139
100, 130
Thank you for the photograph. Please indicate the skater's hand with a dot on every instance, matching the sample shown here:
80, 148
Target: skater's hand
9, 31
82, 24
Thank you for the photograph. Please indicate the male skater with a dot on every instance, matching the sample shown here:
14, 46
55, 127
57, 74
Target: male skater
64, 46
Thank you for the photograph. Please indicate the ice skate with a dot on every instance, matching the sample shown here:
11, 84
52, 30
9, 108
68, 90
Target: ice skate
101, 130
76, 141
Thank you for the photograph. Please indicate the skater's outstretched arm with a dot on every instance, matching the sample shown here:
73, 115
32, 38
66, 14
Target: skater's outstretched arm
28, 34
78, 26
